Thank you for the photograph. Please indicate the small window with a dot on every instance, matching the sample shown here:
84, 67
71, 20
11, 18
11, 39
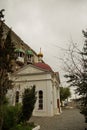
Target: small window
21, 54
40, 100
29, 56
17, 97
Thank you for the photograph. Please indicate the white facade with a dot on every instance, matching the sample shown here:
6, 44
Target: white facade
47, 88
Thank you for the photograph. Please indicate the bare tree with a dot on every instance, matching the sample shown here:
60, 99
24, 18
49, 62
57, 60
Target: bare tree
76, 70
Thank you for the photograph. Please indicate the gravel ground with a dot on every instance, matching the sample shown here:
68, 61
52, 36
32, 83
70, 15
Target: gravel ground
69, 119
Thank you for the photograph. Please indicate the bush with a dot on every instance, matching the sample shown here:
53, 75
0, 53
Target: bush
23, 126
84, 112
28, 102
10, 117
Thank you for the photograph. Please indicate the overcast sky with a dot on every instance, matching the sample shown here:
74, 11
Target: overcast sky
49, 24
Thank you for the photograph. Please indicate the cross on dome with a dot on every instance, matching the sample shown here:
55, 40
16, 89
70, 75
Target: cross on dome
40, 55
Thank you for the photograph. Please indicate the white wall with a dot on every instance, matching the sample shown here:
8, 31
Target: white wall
42, 81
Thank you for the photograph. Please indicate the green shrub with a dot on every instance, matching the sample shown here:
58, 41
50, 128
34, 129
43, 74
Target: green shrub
28, 103
22, 127
84, 112
10, 118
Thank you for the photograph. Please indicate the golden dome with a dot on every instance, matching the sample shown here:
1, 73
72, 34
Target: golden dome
40, 53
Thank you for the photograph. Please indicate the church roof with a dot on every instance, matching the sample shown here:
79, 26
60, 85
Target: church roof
43, 66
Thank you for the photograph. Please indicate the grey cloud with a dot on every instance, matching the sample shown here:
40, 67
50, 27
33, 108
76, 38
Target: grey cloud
42, 22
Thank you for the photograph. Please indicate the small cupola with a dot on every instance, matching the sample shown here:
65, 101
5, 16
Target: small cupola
20, 55
40, 56
29, 55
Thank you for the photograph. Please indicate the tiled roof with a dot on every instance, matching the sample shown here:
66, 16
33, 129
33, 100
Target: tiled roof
43, 66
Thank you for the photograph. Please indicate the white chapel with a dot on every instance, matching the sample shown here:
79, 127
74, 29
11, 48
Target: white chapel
46, 81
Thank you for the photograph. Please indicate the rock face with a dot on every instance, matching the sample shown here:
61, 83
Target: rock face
25, 54
15, 38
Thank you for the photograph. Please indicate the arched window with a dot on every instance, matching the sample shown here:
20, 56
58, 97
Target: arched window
17, 97
40, 100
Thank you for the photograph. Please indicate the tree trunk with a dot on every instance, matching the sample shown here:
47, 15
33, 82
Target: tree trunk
1, 117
